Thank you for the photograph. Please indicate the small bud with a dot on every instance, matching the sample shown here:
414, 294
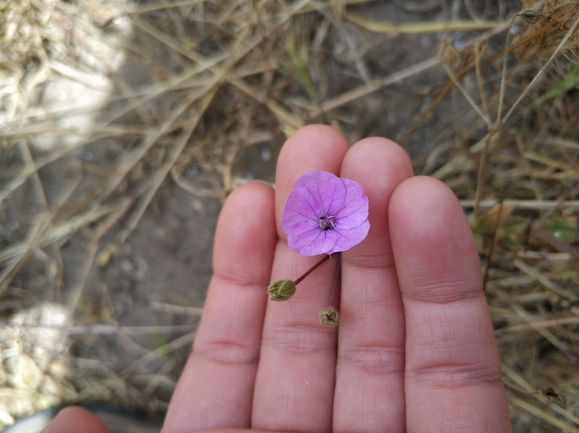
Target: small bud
281, 290
329, 316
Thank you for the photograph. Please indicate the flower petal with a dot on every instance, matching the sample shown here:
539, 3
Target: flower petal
326, 189
351, 237
300, 207
355, 209
319, 194
313, 242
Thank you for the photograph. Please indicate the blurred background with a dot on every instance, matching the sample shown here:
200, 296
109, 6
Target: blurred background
125, 124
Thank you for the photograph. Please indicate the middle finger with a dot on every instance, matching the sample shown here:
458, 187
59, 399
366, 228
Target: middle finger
295, 380
370, 370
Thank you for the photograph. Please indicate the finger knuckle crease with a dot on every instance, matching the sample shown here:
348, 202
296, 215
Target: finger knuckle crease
456, 375
229, 352
375, 359
442, 293
298, 339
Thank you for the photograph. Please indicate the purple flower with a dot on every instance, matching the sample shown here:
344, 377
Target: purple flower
325, 214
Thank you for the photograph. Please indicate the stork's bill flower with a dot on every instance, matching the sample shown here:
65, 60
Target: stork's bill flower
325, 214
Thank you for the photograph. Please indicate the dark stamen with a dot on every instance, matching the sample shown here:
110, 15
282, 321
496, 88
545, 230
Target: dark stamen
326, 222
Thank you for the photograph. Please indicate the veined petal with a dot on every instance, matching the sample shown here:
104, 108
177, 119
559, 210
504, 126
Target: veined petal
351, 237
313, 243
325, 188
317, 195
355, 209
300, 207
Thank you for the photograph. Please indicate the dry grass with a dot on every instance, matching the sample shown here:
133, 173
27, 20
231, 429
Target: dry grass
154, 89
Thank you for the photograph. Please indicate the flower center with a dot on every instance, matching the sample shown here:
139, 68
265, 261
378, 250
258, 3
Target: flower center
326, 222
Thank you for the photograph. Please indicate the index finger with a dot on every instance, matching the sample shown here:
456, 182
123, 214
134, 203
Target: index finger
216, 385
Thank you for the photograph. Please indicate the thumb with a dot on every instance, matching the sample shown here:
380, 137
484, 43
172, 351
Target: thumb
76, 419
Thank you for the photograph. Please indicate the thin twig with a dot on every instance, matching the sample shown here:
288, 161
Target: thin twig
538, 75
492, 247
524, 204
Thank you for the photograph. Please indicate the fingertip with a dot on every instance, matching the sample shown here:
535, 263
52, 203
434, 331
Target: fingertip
323, 137
431, 237
246, 223
420, 192
379, 148
73, 419
313, 147
429, 208
425, 186
251, 194
378, 165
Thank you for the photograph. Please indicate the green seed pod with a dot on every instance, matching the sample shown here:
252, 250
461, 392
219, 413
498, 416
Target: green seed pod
281, 290
329, 316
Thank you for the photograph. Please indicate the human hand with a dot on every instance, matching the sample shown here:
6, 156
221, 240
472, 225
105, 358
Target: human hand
415, 350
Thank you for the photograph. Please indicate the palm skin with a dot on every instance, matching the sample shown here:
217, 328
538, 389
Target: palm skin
415, 349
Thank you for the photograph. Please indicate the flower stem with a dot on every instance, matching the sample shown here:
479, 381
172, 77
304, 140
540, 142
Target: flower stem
312, 269
336, 276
